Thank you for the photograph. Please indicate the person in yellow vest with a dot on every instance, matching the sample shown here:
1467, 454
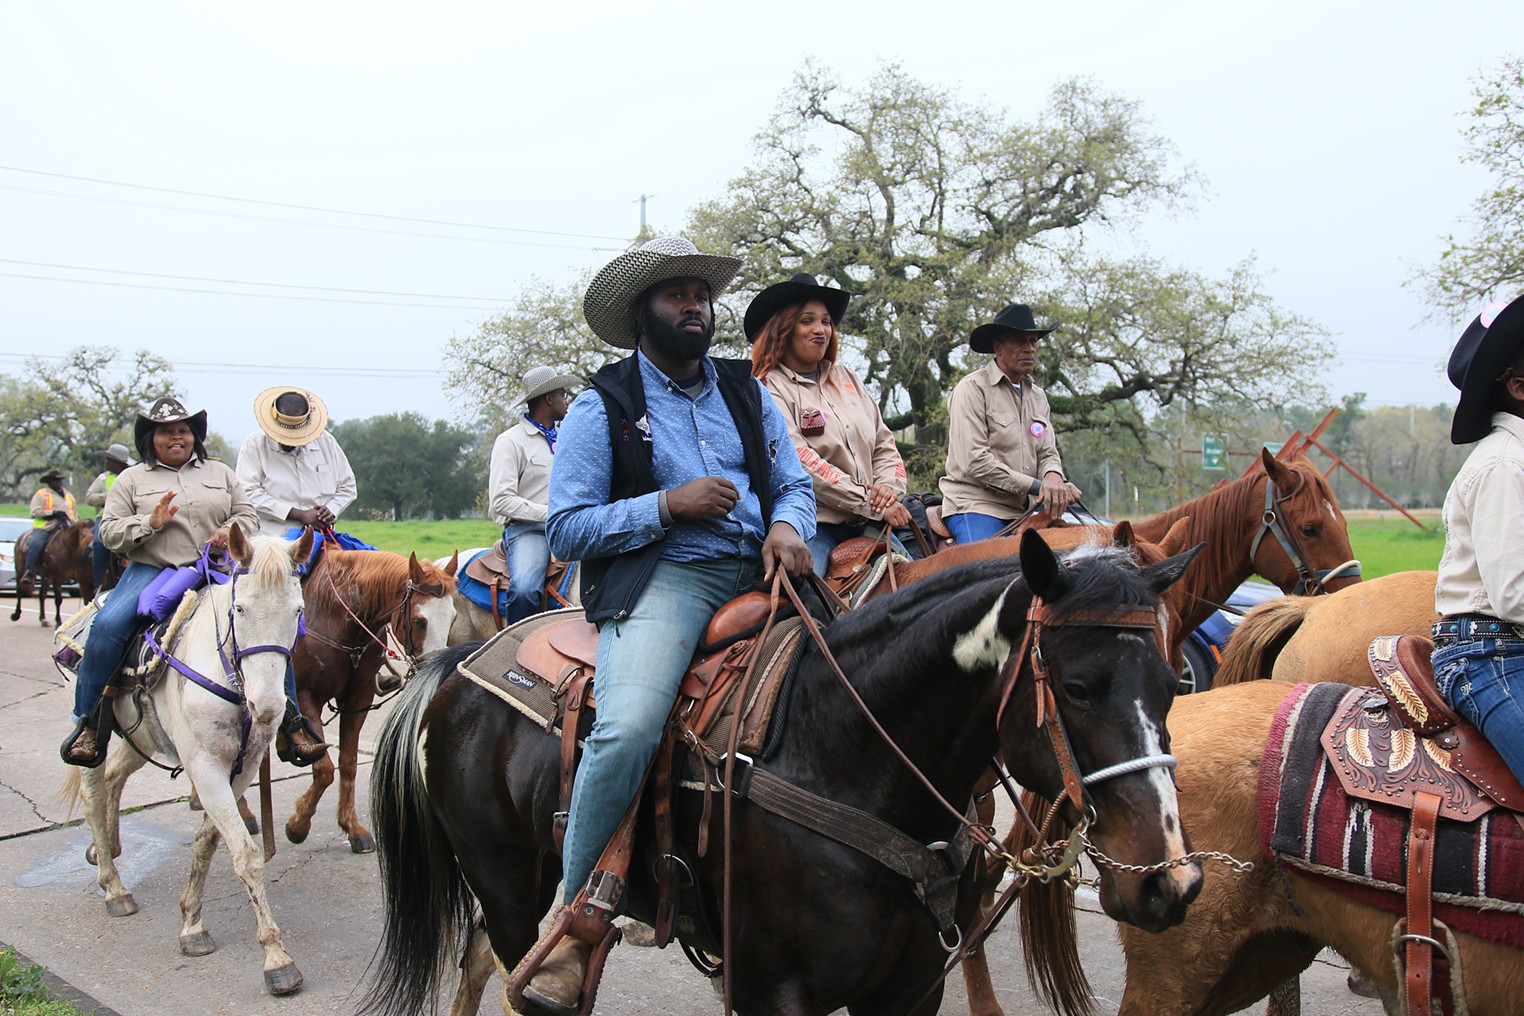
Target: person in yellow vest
115, 459
52, 510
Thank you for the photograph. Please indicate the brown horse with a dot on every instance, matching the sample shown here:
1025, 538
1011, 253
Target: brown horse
1327, 637
65, 559
369, 613
464, 786
1246, 933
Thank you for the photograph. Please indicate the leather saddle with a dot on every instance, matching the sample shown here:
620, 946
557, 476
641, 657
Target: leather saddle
490, 567
491, 570
1412, 751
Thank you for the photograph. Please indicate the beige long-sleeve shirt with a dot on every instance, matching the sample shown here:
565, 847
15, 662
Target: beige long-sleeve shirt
45, 502
1000, 441
856, 450
208, 494
315, 475
518, 481
1482, 569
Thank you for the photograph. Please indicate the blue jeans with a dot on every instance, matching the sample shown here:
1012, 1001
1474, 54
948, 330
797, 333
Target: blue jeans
528, 559
971, 527
829, 534
641, 662
113, 628
1483, 680
34, 548
100, 557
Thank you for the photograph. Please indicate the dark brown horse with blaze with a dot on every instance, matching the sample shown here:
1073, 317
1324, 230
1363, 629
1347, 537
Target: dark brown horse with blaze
65, 559
369, 614
464, 786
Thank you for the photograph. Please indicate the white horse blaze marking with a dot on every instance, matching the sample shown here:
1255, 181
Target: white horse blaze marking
983, 644
1164, 787
440, 611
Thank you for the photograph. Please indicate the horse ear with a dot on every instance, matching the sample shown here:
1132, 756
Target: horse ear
1280, 471
302, 550
454, 563
1041, 568
414, 569
1175, 540
1164, 574
237, 545
1123, 536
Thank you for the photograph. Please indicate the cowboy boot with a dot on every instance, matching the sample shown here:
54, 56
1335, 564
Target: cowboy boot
556, 987
297, 742
86, 746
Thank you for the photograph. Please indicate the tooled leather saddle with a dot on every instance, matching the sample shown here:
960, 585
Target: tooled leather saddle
490, 568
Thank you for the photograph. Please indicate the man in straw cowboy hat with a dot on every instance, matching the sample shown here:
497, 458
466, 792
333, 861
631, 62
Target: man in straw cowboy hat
113, 460
1002, 453
52, 509
292, 468
518, 484
674, 479
1479, 592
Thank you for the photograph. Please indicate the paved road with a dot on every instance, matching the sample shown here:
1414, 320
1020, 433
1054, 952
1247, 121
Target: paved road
326, 899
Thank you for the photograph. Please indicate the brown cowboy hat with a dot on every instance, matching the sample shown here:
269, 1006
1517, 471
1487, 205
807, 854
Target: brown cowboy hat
53, 474
1016, 318
1479, 357
166, 410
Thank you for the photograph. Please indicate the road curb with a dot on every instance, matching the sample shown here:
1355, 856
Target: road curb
62, 989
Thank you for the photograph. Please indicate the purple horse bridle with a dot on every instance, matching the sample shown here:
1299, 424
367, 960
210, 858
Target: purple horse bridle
231, 670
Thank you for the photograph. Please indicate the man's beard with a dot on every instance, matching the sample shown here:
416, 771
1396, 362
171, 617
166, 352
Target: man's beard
675, 342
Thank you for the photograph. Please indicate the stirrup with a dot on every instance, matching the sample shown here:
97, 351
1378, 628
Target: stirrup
580, 920
102, 739
286, 747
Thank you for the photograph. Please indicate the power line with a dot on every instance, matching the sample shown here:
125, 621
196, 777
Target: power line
241, 282
200, 367
230, 292
302, 222
310, 208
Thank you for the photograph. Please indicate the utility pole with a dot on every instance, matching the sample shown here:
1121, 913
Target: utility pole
643, 199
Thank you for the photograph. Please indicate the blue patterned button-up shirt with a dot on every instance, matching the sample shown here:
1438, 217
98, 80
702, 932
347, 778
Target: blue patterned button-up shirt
690, 438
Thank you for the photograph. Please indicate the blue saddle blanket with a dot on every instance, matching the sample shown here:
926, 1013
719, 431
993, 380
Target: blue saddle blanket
477, 592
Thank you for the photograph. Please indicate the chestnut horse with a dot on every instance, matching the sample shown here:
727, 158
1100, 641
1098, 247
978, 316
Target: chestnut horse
369, 614
66, 558
1247, 933
464, 786
1327, 638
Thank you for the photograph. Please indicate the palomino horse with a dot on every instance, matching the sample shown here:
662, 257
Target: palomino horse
1247, 933
66, 558
464, 786
233, 649
370, 613
1327, 638
475, 623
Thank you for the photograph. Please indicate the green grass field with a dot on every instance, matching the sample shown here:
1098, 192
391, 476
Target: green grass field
1384, 545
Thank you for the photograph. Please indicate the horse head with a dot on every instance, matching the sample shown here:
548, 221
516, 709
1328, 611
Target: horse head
422, 623
1102, 683
1302, 542
261, 608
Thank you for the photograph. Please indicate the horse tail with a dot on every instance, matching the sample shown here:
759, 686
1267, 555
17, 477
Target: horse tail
1259, 639
428, 910
71, 793
1049, 938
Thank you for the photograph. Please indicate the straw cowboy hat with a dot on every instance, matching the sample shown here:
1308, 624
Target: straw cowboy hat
166, 410
1481, 355
1015, 318
802, 288
610, 301
285, 429
117, 452
539, 381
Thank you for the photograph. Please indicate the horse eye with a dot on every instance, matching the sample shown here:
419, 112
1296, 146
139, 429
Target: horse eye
1078, 693
238, 608
420, 622
1311, 531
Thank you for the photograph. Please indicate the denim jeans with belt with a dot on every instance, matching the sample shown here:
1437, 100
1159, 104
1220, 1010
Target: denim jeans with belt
1483, 680
641, 662
528, 560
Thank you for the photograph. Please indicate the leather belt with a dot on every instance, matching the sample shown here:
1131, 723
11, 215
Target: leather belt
1476, 626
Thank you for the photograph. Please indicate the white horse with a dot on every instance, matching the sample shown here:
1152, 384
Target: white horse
237, 638
477, 623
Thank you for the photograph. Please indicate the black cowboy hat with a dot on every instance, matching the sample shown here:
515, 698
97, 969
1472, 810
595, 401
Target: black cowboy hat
53, 474
166, 410
1015, 318
1482, 353
802, 288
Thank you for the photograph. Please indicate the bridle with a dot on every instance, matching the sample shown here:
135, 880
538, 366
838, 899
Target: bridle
1310, 581
391, 648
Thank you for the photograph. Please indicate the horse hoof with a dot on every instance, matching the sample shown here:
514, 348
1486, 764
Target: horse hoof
199, 944
252, 825
45, 623
1359, 984
363, 844
283, 980
90, 855
295, 835
194, 804
124, 906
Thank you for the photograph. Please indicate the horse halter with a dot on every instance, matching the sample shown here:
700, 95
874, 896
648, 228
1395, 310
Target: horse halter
1309, 580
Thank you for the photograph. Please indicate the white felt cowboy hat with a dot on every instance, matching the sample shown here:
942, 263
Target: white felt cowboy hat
609, 305
539, 381
284, 428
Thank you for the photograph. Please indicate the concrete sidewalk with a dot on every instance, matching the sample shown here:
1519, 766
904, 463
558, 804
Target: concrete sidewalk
326, 899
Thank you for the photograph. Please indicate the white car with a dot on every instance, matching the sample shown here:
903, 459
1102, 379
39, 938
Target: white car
11, 528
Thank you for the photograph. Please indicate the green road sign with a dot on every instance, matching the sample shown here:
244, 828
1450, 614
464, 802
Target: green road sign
1274, 447
1214, 451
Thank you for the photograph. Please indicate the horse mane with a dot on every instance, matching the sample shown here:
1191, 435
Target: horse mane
269, 564
375, 579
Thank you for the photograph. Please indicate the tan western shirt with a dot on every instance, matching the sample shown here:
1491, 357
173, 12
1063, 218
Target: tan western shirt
209, 496
518, 481
1482, 570
1000, 442
313, 475
856, 450
45, 502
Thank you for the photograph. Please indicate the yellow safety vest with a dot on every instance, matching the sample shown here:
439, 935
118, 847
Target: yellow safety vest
47, 493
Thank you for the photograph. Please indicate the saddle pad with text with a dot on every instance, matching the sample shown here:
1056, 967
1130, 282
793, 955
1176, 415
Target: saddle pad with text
1309, 822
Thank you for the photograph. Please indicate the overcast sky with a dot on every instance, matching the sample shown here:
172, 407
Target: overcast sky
1329, 135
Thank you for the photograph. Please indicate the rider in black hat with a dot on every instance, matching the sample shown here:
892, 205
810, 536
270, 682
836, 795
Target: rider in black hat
52, 509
